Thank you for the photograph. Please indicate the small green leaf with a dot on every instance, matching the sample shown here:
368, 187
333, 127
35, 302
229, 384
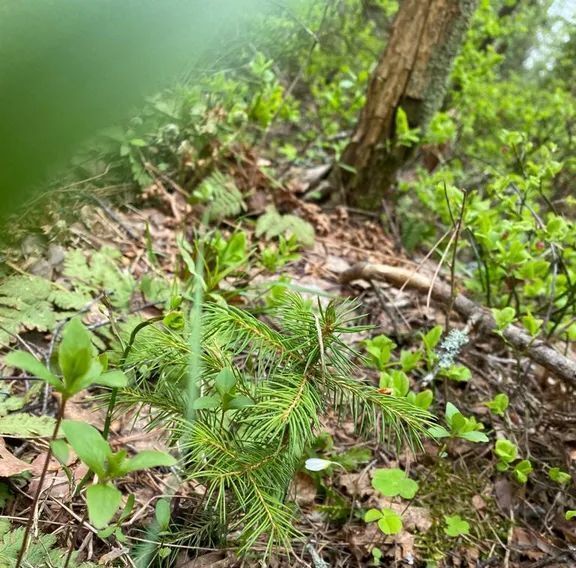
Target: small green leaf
239, 402
225, 381
130, 501
438, 432
522, 470
400, 383
88, 444
409, 360
532, 324
506, 450
112, 379
559, 476
148, 459
76, 353
456, 526
390, 522
372, 515
392, 482
206, 403
107, 532
451, 412
499, 404
457, 373
569, 515
474, 436
103, 501
432, 338
26, 362
424, 399
174, 320
60, 451
162, 513
503, 317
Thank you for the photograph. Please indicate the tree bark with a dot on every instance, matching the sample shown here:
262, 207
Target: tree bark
411, 74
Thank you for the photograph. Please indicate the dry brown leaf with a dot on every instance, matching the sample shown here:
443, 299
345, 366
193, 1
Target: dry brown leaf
10, 465
82, 408
114, 554
304, 490
356, 484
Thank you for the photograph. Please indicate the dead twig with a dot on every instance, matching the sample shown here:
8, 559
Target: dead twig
536, 350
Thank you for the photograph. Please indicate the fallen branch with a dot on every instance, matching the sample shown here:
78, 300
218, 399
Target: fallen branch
536, 350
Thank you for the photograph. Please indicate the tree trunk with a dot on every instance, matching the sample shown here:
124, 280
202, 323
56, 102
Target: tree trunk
412, 74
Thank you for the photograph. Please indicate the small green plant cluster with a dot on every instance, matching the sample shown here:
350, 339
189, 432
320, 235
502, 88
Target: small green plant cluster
43, 553
80, 367
459, 426
517, 249
507, 453
434, 356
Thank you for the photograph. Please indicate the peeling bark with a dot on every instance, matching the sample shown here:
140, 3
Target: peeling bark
412, 74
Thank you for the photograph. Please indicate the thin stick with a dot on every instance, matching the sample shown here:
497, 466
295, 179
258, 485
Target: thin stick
30, 521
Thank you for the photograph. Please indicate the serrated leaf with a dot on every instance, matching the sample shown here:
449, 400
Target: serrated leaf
22, 425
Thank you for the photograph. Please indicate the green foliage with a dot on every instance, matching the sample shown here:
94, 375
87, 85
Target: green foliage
404, 135
78, 360
23, 425
569, 515
456, 526
274, 257
103, 498
394, 482
559, 476
459, 427
499, 404
507, 453
221, 196
43, 553
272, 224
31, 302
389, 522
247, 454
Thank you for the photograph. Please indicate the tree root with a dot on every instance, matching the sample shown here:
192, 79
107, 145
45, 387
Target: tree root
546, 356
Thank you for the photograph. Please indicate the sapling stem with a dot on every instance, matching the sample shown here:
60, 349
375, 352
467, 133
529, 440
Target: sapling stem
30, 521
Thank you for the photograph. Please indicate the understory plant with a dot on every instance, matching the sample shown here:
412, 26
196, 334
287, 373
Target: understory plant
264, 388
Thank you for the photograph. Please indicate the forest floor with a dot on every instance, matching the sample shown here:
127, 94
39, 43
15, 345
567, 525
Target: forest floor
512, 525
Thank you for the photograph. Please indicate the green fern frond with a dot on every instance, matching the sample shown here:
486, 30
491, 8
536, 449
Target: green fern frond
221, 195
